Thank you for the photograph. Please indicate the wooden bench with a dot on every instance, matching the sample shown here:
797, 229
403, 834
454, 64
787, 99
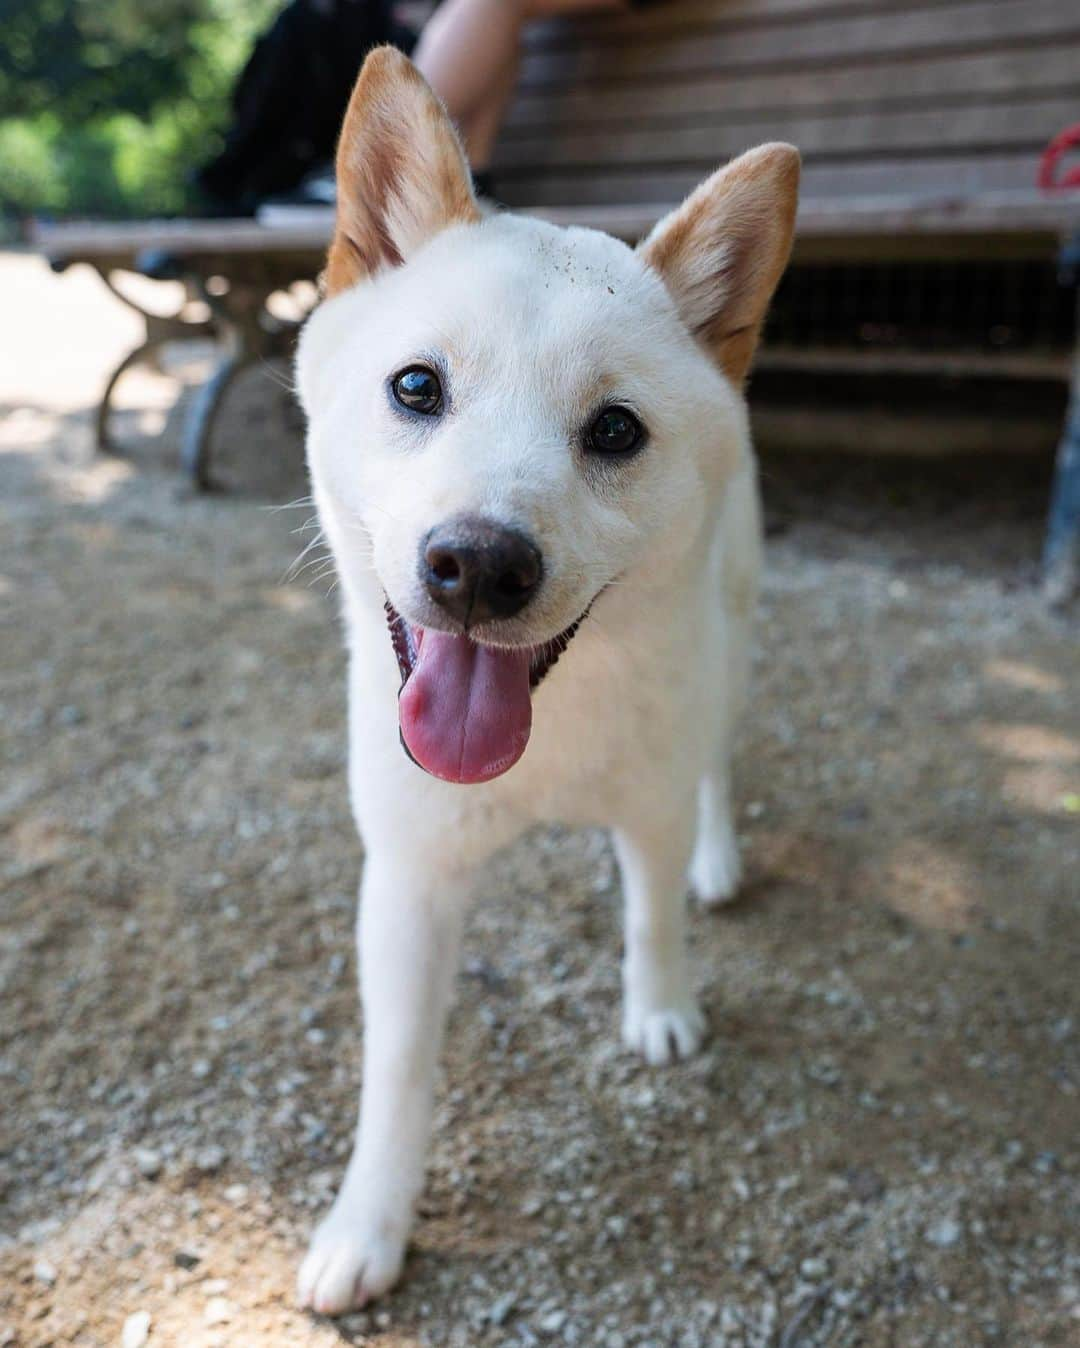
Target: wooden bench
921, 123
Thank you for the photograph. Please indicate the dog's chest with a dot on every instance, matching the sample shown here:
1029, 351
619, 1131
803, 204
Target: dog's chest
600, 728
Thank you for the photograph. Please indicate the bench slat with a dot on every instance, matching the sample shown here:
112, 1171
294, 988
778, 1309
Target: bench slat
635, 25
832, 41
935, 175
945, 80
1026, 125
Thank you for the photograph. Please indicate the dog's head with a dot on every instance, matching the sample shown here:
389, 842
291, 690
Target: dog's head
506, 417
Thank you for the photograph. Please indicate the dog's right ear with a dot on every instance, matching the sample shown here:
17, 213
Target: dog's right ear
401, 172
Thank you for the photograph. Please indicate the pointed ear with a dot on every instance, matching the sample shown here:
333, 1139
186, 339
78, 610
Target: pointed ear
401, 172
722, 252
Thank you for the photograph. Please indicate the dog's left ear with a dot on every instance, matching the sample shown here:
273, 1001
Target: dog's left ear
401, 172
723, 251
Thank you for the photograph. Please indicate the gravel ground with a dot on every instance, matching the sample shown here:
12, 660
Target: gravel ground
879, 1143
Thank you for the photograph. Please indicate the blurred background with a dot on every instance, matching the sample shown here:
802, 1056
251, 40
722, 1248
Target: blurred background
107, 106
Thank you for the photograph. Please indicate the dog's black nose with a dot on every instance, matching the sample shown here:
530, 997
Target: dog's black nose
477, 570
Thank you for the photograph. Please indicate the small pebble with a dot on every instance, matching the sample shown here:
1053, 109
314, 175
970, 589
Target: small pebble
148, 1162
209, 1159
45, 1272
944, 1234
813, 1270
136, 1330
499, 1310
218, 1311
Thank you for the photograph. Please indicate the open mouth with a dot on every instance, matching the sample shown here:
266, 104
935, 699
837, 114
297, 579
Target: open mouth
465, 708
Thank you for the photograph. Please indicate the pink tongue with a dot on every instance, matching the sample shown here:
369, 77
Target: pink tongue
466, 710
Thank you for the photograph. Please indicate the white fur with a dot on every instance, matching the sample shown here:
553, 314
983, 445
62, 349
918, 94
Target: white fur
632, 727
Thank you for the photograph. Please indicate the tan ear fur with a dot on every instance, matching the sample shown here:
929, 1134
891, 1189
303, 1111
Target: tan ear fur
401, 172
723, 251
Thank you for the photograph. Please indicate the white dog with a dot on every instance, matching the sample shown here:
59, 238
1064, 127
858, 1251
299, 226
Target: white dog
528, 445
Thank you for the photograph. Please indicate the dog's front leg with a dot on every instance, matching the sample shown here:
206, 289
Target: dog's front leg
409, 935
714, 867
660, 1014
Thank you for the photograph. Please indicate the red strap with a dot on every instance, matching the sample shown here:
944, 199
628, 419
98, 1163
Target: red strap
1052, 156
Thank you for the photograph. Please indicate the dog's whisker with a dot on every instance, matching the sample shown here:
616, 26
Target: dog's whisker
319, 560
275, 376
312, 523
299, 565
312, 542
295, 566
298, 504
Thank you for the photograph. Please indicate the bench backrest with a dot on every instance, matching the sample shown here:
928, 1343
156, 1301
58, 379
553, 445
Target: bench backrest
908, 99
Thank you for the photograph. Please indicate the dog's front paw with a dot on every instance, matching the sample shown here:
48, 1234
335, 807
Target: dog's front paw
715, 869
350, 1262
663, 1034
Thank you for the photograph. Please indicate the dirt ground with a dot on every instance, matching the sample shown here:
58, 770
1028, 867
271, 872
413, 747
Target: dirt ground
879, 1144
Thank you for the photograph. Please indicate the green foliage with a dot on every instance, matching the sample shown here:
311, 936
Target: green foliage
29, 174
107, 105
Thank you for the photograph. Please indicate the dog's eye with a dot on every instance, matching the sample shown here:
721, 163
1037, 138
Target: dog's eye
419, 390
615, 431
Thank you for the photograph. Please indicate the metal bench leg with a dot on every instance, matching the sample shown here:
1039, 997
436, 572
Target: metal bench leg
1061, 555
160, 329
1061, 558
141, 353
199, 425
246, 333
